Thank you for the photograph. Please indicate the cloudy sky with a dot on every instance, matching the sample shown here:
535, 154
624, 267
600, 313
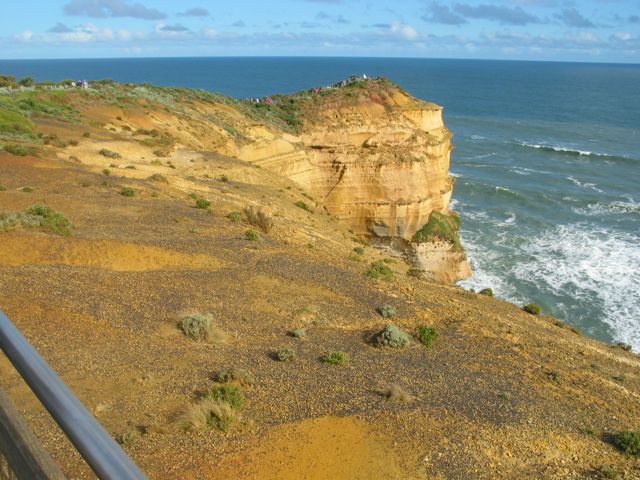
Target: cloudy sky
590, 30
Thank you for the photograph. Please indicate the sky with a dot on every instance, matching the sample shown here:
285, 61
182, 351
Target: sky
557, 30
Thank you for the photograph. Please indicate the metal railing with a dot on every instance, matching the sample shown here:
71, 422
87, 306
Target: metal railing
105, 457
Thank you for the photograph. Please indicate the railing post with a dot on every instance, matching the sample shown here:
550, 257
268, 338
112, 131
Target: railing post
21, 449
101, 452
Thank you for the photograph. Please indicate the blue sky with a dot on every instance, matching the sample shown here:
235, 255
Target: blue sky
594, 30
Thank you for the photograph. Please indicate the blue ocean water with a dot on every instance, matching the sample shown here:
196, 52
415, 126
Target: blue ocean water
547, 162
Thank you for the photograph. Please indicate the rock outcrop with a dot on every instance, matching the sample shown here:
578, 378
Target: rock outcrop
379, 159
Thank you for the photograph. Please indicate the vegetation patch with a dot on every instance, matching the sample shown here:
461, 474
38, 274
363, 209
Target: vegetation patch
37, 216
21, 150
258, 218
486, 292
298, 333
387, 311
127, 192
234, 216
303, 206
109, 153
228, 393
379, 270
285, 355
200, 327
336, 358
628, 442
440, 227
391, 336
202, 203
252, 235
531, 308
396, 393
426, 335
206, 414
236, 375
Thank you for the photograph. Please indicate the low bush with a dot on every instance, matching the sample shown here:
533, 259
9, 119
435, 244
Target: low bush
285, 355
359, 250
27, 189
486, 292
252, 235
106, 172
392, 336
299, 333
379, 270
336, 358
37, 216
200, 327
303, 206
127, 192
21, 150
628, 442
202, 203
236, 375
228, 393
3, 188
156, 177
387, 311
426, 335
234, 216
109, 153
531, 308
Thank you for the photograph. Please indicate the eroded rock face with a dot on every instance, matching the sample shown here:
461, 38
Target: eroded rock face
379, 159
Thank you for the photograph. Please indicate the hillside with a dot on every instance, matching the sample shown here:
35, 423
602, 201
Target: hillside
158, 185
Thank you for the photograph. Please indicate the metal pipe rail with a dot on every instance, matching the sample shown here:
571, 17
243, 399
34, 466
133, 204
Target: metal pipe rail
105, 457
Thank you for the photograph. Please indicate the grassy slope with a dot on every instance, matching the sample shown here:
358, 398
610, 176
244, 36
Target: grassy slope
501, 394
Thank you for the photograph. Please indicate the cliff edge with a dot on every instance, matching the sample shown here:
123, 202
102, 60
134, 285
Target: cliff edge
379, 159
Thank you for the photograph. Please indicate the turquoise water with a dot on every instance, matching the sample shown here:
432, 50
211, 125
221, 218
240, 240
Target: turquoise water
547, 162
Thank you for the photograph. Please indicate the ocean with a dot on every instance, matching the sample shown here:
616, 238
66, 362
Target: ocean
547, 164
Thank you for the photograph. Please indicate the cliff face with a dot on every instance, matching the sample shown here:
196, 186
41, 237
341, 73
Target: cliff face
379, 159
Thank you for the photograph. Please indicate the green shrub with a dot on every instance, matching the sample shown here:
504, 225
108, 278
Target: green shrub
130, 167
21, 150
258, 218
199, 327
156, 177
440, 227
234, 216
532, 308
285, 355
379, 270
127, 192
392, 336
238, 375
426, 335
299, 333
228, 393
202, 203
387, 311
487, 292
52, 221
3, 188
86, 134
109, 153
303, 205
628, 442
252, 235
27, 189
336, 358
359, 250
106, 171
223, 178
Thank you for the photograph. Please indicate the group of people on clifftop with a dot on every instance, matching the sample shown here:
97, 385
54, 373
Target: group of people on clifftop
317, 90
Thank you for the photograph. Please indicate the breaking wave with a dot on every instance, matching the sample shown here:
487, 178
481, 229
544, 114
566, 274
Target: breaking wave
575, 152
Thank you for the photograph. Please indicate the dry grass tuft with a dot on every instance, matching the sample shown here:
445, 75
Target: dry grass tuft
258, 218
396, 393
207, 413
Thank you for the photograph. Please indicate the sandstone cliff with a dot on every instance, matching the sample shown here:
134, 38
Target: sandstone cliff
378, 158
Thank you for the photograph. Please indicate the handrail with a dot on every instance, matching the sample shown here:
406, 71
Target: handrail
105, 457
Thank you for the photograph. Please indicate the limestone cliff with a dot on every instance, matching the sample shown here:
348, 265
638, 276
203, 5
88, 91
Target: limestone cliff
379, 159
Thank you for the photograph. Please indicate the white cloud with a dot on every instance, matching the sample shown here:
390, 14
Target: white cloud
404, 31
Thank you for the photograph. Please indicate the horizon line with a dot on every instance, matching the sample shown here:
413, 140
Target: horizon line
315, 57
